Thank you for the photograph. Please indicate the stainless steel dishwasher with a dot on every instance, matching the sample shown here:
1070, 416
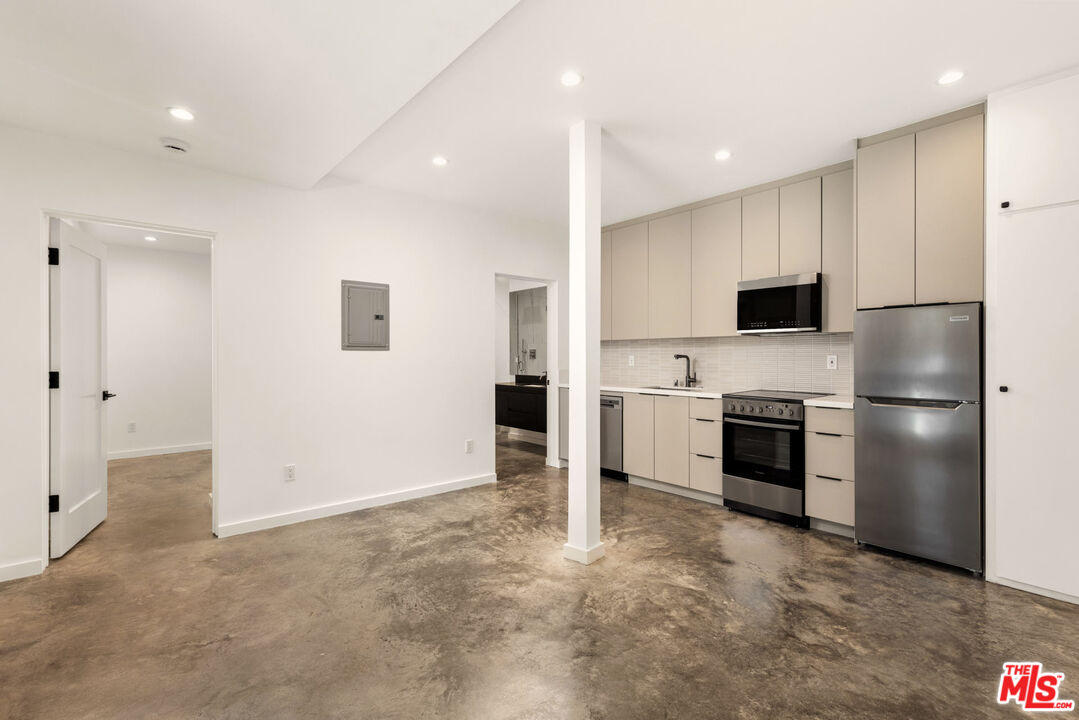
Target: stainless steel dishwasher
610, 436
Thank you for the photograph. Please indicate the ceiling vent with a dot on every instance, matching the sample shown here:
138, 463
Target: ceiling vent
175, 145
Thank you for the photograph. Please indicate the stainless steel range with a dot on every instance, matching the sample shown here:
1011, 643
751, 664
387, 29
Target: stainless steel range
764, 453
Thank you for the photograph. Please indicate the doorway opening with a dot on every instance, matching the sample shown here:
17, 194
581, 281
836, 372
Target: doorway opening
131, 384
526, 367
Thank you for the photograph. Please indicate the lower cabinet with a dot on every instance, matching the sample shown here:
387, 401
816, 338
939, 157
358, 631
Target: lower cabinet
706, 474
672, 440
830, 465
638, 435
830, 499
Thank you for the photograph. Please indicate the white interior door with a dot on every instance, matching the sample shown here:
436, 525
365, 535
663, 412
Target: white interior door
78, 468
1035, 346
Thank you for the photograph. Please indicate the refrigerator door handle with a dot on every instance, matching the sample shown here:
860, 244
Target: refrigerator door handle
912, 403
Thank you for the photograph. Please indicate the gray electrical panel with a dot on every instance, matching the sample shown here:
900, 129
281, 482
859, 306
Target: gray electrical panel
365, 316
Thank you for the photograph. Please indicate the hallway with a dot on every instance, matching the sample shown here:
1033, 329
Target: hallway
461, 606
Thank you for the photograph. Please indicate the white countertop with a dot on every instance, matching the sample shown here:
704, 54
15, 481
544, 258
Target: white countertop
656, 391
842, 402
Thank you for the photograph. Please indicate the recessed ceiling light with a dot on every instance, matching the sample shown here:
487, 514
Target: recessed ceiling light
181, 113
150, 238
439, 161
571, 78
951, 76
722, 155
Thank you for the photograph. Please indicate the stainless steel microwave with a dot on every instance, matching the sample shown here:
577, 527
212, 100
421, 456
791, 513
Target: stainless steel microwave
787, 304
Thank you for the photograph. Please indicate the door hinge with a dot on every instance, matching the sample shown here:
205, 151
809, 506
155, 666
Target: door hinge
54, 256
54, 379
54, 503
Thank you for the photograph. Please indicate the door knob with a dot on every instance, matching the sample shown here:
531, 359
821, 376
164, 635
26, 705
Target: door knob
105, 395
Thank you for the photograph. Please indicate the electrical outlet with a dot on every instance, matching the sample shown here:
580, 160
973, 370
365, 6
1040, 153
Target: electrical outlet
632, 360
290, 473
833, 362
131, 426
469, 446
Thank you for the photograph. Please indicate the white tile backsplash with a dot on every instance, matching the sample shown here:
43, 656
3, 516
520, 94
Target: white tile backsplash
793, 362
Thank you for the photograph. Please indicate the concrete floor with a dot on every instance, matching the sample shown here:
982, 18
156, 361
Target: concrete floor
460, 606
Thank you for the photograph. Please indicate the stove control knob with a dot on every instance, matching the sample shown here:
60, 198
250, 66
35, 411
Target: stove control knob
760, 409
741, 408
779, 410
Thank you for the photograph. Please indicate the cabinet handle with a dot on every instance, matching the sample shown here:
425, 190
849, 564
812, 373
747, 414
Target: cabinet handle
710, 457
703, 420
827, 434
828, 477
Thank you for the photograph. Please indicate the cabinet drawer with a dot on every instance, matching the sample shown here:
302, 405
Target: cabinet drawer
706, 408
706, 437
706, 474
831, 500
830, 420
831, 455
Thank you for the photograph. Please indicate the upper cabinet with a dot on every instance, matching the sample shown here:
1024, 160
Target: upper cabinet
837, 251
669, 276
606, 287
717, 268
629, 282
800, 227
920, 216
886, 223
760, 235
949, 219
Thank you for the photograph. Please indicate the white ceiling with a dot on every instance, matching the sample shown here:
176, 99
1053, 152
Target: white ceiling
289, 91
281, 89
136, 237
786, 85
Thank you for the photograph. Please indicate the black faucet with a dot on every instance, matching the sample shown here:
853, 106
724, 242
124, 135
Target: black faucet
691, 380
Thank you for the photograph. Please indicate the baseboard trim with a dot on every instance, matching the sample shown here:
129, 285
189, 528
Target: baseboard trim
26, 568
676, 490
832, 528
583, 555
321, 511
167, 450
1034, 589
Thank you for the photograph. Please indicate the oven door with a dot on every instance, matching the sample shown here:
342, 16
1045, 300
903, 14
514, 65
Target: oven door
769, 452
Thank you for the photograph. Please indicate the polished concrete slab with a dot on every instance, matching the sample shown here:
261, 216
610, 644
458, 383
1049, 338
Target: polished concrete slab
461, 606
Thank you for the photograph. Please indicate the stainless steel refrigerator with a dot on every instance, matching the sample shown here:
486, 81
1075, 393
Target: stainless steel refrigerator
918, 431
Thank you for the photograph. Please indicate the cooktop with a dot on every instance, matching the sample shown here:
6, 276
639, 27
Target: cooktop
783, 395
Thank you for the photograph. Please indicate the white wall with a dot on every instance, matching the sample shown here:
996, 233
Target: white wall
358, 425
158, 351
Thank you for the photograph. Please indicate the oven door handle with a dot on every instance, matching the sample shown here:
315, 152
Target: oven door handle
773, 426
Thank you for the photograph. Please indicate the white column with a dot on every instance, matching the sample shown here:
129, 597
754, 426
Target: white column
584, 544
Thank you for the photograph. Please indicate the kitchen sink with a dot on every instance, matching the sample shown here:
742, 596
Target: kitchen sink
679, 388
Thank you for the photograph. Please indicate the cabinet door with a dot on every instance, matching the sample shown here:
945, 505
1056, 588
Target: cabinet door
837, 250
672, 440
800, 227
563, 423
669, 276
717, 267
605, 287
950, 206
760, 235
629, 282
638, 435
886, 223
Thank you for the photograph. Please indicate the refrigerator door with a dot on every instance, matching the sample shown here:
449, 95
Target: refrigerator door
928, 353
919, 487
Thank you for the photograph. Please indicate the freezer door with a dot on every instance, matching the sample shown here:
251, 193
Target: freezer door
918, 487
930, 353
